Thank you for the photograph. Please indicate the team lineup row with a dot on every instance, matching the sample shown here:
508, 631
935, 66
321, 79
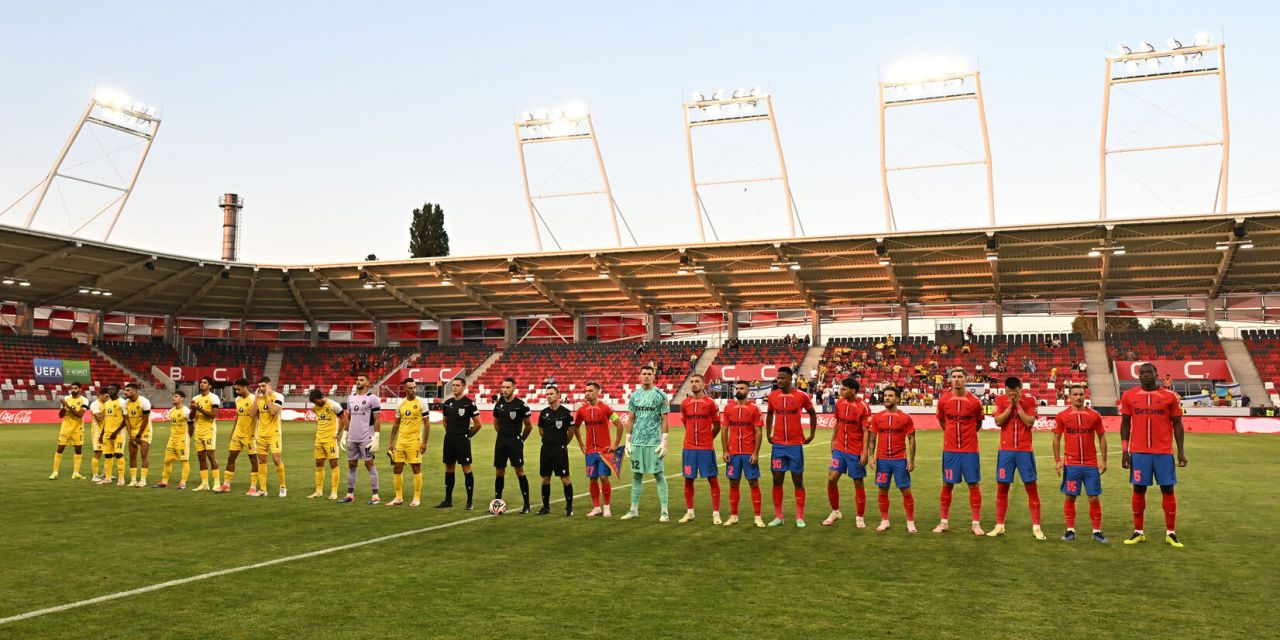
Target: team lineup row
884, 442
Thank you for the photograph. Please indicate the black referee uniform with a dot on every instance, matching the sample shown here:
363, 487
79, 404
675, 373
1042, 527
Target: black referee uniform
554, 424
458, 416
509, 416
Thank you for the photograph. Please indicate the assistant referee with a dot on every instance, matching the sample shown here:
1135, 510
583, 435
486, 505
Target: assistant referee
461, 423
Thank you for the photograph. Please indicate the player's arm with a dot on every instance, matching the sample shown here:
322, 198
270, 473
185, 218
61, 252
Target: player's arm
1002, 418
1125, 429
715, 422
1102, 451
866, 436
528, 428
724, 439
1177, 439
577, 434
619, 429
755, 457
1028, 419
344, 420
869, 449
911, 452
395, 431
768, 423
541, 432
1057, 451
813, 421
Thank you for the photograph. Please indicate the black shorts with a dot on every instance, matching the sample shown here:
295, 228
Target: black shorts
457, 448
508, 448
553, 461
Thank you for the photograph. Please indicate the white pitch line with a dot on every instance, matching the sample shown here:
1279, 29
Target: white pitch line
258, 565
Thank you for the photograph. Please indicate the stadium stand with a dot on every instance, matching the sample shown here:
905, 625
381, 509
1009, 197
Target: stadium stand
333, 369
252, 357
1164, 345
140, 356
778, 352
1264, 348
17, 376
615, 366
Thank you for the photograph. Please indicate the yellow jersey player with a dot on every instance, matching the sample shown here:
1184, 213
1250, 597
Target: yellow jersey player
328, 415
95, 411
204, 406
408, 442
71, 410
137, 419
242, 438
179, 442
268, 438
110, 417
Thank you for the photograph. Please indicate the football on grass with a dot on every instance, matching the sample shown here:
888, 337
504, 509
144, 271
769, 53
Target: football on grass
497, 507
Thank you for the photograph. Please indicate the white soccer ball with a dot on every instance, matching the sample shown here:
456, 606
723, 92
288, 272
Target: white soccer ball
497, 507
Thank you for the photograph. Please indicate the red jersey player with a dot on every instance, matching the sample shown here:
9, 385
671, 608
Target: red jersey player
701, 426
1153, 417
1015, 415
596, 416
848, 454
1084, 465
960, 416
893, 446
741, 440
782, 424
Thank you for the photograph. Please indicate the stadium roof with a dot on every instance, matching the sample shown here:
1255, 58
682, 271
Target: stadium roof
1161, 257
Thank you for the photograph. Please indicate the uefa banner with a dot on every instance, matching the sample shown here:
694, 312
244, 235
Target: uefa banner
1179, 370
50, 371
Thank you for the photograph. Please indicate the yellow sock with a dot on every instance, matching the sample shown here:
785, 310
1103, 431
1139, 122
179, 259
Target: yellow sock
397, 481
133, 474
120, 466
417, 486
57, 461
227, 476
335, 475
204, 477
215, 475
319, 479
77, 460
262, 477
280, 473
164, 471
186, 471
253, 478
145, 471
93, 465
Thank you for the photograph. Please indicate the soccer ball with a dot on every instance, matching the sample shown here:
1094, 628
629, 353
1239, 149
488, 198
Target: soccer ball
497, 507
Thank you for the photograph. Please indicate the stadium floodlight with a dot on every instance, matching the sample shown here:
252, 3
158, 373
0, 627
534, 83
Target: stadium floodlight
9, 281
741, 106
1093, 253
570, 123
446, 282
114, 110
924, 81
324, 286
1178, 61
24, 283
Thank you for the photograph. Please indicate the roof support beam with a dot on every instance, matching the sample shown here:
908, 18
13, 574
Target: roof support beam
248, 299
621, 284
348, 300
151, 290
302, 305
97, 282
781, 250
1104, 271
546, 291
403, 297
40, 262
468, 291
1224, 267
204, 288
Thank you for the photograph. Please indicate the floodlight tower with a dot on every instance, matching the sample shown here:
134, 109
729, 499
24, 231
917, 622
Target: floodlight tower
741, 106
1145, 63
112, 110
932, 82
571, 123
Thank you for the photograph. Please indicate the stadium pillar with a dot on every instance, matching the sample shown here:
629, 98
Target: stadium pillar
170, 328
654, 326
906, 323
1210, 315
240, 333
579, 328
26, 319
444, 335
379, 333
815, 327
99, 324
731, 324
315, 335
1102, 320
509, 336
999, 319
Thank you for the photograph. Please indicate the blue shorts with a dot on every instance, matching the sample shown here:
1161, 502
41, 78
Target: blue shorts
1023, 461
596, 467
740, 465
1144, 468
699, 462
787, 457
849, 463
1075, 477
961, 467
895, 467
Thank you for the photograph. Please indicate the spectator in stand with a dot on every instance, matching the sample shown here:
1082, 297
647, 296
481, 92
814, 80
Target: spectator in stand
693, 362
994, 365
1168, 382
659, 369
1029, 366
943, 349
977, 370
1131, 355
1056, 342
965, 348
1082, 367
1053, 375
969, 332
933, 347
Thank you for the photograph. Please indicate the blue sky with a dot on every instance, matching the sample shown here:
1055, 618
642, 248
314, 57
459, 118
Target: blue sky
335, 120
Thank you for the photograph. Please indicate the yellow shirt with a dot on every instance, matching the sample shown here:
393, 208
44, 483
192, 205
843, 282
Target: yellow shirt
139, 412
112, 416
411, 413
244, 421
327, 421
204, 425
268, 425
69, 421
178, 426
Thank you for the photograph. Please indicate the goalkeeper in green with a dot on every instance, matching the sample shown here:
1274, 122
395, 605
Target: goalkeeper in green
646, 441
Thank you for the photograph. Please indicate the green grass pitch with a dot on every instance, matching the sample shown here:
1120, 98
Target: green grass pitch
525, 576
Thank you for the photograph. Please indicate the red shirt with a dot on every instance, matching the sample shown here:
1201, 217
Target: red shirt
1151, 415
960, 417
893, 428
786, 409
699, 417
1015, 435
852, 419
740, 422
1077, 429
596, 417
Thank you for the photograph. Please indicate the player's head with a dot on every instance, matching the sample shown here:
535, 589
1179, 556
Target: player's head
241, 387
457, 386
179, 396
741, 390
849, 389
113, 391
957, 378
784, 377
646, 375
131, 390
593, 391
362, 383
1012, 383
206, 383
410, 388
553, 394
508, 387
891, 395
316, 396
264, 384
1147, 375
1077, 396
75, 389
697, 383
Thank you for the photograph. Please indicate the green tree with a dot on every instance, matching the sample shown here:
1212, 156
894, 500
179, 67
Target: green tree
1161, 324
427, 237
1088, 325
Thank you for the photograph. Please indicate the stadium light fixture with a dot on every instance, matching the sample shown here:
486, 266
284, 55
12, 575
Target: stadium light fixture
1093, 253
324, 286
106, 294
9, 280
446, 282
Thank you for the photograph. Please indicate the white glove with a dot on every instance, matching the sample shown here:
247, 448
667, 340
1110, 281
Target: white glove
342, 442
373, 443
662, 446
627, 445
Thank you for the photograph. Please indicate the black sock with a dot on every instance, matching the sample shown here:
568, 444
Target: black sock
524, 489
546, 496
568, 497
470, 481
497, 486
449, 477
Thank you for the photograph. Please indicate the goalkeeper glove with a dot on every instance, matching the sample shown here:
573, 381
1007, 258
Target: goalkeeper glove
626, 445
662, 447
373, 443
342, 442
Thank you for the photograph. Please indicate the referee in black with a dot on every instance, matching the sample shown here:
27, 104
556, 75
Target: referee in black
556, 428
461, 423
511, 420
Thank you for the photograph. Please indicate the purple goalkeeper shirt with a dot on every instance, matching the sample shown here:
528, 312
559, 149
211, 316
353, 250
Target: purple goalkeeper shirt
363, 409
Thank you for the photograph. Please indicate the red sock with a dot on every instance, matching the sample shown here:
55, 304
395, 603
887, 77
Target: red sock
884, 505
688, 493
715, 493
944, 501
756, 500
606, 492
1170, 503
1002, 501
860, 499
800, 503
1033, 501
595, 492
975, 502
1069, 511
909, 505
777, 501
1139, 506
1095, 514
833, 495
735, 494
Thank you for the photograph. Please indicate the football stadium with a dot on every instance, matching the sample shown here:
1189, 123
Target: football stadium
232, 405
